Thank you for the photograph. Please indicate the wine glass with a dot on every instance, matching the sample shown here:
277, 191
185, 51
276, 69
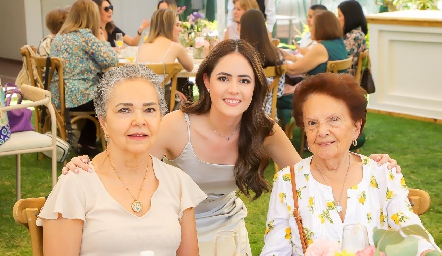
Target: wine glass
226, 243
119, 40
354, 238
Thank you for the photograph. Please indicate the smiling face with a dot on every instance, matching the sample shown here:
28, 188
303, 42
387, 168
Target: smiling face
341, 18
310, 17
237, 12
231, 85
106, 17
133, 118
330, 130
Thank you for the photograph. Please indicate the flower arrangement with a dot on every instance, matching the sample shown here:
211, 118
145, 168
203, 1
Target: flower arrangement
403, 242
196, 26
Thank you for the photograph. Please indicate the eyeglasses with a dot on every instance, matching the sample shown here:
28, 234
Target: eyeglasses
107, 8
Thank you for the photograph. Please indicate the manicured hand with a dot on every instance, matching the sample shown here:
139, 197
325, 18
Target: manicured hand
384, 158
76, 164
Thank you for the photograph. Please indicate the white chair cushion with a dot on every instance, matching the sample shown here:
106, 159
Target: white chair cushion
26, 140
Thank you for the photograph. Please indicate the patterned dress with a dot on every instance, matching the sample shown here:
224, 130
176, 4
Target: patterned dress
268, 100
84, 57
355, 43
379, 200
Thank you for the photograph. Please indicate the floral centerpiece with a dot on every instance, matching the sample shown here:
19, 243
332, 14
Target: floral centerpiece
196, 26
403, 242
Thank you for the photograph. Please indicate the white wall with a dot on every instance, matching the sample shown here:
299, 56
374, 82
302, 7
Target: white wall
13, 27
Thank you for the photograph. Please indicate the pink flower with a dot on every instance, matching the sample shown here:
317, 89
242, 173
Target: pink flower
369, 251
322, 247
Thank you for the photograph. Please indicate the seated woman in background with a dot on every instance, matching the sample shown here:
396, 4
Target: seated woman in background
167, 4
161, 46
254, 31
354, 25
241, 6
133, 201
306, 42
327, 31
109, 28
54, 21
336, 187
85, 53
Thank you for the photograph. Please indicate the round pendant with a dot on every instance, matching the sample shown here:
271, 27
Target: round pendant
338, 208
137, 206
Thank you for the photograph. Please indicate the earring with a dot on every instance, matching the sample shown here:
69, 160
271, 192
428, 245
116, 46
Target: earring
208, 90
106, 136
355, 143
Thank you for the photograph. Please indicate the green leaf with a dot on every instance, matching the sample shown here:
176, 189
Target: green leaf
382, 238
433, 253
415, 230
377, 253
408, 247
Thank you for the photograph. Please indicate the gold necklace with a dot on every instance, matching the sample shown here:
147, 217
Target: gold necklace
226, 137
337, 202
136, 205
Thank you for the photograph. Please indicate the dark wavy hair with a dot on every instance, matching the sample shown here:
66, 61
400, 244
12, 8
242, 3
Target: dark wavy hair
254, 31
255, 125
110, 26
353, 16
341, 87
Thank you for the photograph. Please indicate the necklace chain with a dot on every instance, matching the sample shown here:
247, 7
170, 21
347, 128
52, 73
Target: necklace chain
337, 203
226, 137
136, 206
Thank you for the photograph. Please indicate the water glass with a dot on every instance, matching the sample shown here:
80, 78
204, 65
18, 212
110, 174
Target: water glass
226, 243
354, 238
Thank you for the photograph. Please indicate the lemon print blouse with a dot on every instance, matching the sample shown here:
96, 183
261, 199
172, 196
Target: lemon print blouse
379, 200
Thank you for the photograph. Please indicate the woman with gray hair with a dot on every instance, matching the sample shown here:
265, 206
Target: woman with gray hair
115, 209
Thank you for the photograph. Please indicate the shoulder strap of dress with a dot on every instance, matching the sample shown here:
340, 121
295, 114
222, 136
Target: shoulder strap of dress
167, 52
186, 116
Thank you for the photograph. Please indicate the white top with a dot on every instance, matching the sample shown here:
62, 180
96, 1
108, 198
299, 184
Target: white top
109, 229
379, 200
270, 12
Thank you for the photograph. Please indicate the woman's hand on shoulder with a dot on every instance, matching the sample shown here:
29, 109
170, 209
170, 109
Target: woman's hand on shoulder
384, 158
76, 164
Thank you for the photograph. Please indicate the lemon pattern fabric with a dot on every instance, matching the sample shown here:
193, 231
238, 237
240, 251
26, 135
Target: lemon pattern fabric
379, 200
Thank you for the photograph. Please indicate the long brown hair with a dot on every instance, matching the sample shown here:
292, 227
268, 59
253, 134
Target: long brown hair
110, 26
255, 125
83, 14
254, 31
161, 24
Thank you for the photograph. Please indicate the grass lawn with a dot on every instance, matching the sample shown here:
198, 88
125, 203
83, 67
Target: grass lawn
414, 144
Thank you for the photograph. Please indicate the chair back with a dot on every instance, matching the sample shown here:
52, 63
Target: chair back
25, 212
334, 66
26, 52
170, 72
272, 72
358, 73
275, 42
419, 200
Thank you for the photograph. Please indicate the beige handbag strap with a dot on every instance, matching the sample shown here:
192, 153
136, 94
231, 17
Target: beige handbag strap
298, 218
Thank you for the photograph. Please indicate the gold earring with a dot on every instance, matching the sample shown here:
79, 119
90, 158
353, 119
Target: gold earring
355, 143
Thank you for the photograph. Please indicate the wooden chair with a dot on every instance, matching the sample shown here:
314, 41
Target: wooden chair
26, 54
170, 72
334, 66
273, 87
419, 199
30, 141
275, 42
358, 73
57, 65
25, 212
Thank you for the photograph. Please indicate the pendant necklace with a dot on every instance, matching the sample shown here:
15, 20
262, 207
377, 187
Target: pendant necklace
336, 202
136, 205
226, 137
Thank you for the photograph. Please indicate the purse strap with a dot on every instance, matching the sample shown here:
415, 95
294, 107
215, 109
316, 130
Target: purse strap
296, 215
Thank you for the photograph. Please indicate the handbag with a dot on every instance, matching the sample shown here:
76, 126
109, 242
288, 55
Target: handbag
19, 119
296, 215
367, 81
63, 149
5, 131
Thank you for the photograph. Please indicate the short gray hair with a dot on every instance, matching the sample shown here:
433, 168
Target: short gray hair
121, 74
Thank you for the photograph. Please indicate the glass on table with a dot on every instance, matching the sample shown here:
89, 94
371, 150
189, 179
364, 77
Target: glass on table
354, 238
119, 40
226, 243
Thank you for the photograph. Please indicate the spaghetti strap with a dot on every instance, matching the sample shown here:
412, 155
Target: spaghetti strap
167, 52
186, 116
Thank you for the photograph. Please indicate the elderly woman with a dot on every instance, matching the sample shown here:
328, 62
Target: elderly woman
54, 21
85, 53
334, 186
327, 32
133, 201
